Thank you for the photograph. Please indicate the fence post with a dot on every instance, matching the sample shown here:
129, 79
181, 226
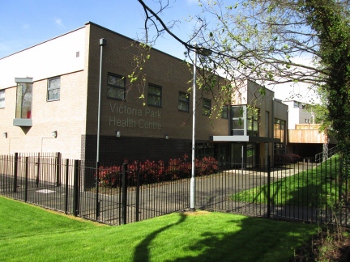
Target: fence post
58, 169
97, 210
38, 171
67, 184
15, 173
26, 181
268, 187
76, 189
124, 194
137, 193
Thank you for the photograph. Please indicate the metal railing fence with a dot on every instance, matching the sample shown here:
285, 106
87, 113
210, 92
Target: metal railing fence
123, 193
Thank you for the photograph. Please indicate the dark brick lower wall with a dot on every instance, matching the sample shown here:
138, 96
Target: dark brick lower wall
113, 149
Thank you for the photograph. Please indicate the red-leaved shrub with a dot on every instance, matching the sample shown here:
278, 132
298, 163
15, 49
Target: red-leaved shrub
148, 172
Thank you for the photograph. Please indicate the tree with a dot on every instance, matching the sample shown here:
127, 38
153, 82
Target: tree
276, 41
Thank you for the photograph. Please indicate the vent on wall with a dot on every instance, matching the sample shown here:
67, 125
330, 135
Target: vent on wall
77, 54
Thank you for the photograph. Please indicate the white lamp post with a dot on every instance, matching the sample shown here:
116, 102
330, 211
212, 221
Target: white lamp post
193, 179
103, 42
204, 52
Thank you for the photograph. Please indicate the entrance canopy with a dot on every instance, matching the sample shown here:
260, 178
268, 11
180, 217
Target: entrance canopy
253, 139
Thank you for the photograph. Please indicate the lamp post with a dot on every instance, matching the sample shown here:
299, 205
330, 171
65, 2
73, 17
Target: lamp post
103, 42
193, 179
203, 52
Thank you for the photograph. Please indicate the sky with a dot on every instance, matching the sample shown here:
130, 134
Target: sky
24, 23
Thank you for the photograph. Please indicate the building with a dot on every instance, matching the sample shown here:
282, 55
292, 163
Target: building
49, 103
304, 136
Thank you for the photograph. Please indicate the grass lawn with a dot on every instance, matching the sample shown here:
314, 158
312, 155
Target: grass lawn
316, 187
30, 233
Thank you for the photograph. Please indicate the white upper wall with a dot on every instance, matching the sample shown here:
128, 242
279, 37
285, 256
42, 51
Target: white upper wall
51, 58
297, 114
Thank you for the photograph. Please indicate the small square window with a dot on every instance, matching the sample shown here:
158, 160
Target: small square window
2, 98
53, 89
184, 102
206, 107
116, 87
154, 97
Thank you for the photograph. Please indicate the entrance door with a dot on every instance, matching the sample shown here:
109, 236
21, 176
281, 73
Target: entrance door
251, 155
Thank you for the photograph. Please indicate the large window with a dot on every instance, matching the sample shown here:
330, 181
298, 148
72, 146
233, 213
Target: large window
237, 121
2, 98
184, 102
279, 129
24, 100
253, 122
116, 86
206, 107
154, 97
53, 89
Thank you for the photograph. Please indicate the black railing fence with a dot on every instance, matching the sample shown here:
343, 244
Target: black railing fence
127, 192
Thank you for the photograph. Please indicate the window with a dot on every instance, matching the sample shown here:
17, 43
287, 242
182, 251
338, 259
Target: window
253, 122
24, 99
279, 129
2, 98
237, 121
184, 102
53, 89
206, 106
224, 112
116, 86
154, 97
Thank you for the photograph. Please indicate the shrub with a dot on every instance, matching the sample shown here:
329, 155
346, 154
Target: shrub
285, 159
148, 172
109, 176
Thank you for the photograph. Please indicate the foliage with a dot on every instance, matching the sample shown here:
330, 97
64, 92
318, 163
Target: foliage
331, 21
152, 172
274, 42
286, 159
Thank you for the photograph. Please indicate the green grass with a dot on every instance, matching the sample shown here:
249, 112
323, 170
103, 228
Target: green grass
29, 233
315, 187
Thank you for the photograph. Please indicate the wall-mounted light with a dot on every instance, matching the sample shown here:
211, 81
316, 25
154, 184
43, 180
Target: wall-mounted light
166, 136
54, 134
118, 134
4, 134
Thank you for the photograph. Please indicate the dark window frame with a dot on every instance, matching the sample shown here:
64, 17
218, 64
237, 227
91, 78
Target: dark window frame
2, 98
224, 112
152, 96
183, 101
120, 89
253, 117
53, 90
205, 106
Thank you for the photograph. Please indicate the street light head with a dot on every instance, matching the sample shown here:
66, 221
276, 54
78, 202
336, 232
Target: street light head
103, 42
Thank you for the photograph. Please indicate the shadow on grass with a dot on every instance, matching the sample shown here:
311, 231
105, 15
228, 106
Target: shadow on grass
142, 251
257, 240
241, 239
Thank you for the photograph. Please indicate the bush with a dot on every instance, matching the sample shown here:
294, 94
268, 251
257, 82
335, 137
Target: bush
285, 159
148, 172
